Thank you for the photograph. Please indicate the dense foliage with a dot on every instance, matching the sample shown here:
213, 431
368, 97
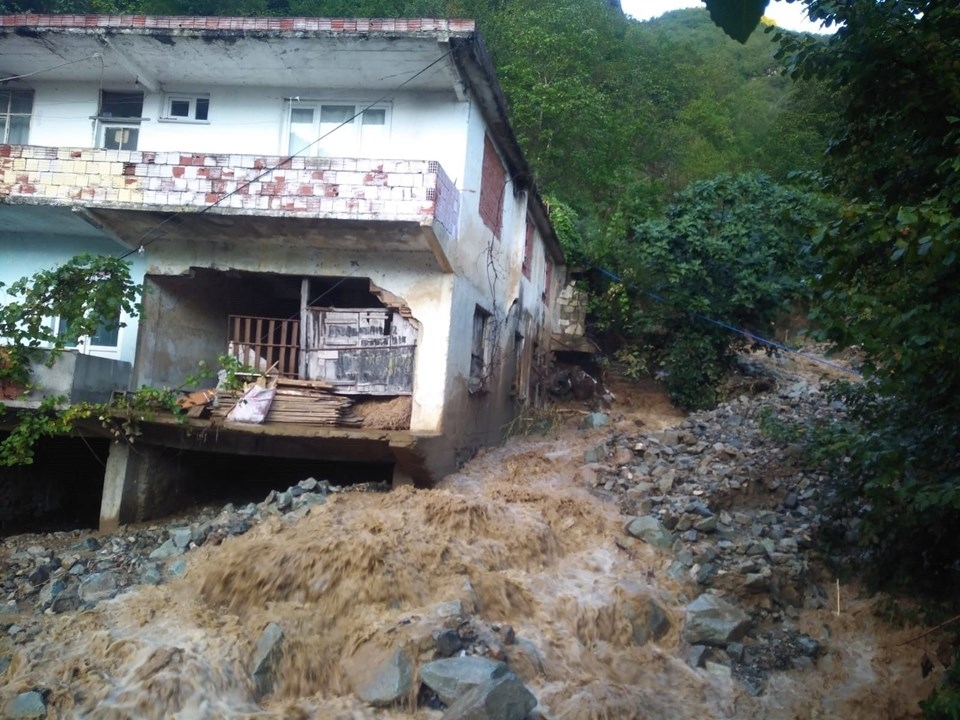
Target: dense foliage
892, 270
731, 252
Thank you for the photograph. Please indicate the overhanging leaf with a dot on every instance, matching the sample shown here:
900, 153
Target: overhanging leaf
737, 18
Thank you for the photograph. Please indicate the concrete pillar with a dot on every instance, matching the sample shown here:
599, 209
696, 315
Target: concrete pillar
141, 482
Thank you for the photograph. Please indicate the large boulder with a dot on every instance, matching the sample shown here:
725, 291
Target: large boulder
26, 705
711, 620
503, 698
391, 682
450, 678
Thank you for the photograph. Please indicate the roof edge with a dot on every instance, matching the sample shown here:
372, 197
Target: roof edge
399, 26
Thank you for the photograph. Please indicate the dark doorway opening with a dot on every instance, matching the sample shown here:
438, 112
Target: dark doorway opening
61, 490
217, 478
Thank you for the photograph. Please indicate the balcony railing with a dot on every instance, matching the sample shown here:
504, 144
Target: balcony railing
337, 188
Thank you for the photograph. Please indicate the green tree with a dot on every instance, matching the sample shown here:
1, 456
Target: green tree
733, 251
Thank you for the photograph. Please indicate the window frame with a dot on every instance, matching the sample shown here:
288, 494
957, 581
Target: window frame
192, 100
481, 352
6, 113
350, 146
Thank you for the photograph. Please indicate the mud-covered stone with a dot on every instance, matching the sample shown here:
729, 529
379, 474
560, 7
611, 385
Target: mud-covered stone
450, 678
503, 698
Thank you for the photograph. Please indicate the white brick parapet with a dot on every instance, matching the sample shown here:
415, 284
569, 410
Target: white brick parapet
336, 188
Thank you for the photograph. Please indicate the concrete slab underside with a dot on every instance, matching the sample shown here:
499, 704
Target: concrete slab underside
143, 482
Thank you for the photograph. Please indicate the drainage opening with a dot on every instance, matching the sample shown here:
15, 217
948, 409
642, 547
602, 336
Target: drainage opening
61, 490
216, 478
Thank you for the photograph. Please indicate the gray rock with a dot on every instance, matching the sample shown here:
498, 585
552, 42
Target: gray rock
450, 678
77, 569
177, 567
594, 420
310, 484
97, 587
151, 576
710, 620
391, 682
181, 537
284, 501
648, 620
697, 655
266, 659
596, 454
26, 705
88, 544
49, 592
167, 550
448, 643
67, 601
650, 530
504, 698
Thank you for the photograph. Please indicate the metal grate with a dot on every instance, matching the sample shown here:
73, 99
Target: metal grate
271, 345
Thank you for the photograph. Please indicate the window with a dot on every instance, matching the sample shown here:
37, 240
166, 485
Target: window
105, 340
188, 108
492, 187
337, 130
15, 109
547, 279
479, 349
119, 119
528, 250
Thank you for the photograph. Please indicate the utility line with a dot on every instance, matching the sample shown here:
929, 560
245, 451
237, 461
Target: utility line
730, 328
143, 240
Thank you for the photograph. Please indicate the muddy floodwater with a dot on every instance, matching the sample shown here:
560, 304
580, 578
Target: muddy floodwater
514, 539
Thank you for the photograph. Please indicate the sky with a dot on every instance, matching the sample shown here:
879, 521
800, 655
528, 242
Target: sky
788, 15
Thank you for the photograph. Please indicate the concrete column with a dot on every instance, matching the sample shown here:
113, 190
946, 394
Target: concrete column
141, 482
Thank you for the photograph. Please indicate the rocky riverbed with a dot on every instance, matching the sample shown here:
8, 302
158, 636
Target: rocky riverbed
630, 563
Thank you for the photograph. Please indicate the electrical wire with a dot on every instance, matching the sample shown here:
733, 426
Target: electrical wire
144, 240
729, 328
48, 69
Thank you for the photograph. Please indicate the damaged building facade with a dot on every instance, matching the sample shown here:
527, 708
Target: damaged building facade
340, 204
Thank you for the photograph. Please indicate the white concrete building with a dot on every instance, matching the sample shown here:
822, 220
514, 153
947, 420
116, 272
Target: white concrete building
336, 201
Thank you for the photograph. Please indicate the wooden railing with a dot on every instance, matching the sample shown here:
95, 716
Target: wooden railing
271, 345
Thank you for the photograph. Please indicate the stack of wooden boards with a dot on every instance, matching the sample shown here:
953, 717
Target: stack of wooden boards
306, 402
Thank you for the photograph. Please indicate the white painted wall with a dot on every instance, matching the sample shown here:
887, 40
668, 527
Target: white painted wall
423, 126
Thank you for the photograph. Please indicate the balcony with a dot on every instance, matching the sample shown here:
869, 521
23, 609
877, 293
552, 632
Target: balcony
74, 377
128, 193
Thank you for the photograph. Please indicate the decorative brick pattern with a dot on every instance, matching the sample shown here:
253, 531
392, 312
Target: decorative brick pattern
341, 188
492, 188
255, 24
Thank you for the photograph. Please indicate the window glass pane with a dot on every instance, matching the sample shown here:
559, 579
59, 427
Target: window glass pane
21, 102
121, 104
106, 337
4, 100
301, 115
301, 130
374, 117
336, 114
180, 108
19, 130
120, 138
203, 108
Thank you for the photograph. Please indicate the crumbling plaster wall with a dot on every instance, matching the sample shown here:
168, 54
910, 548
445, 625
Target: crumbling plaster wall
411, 276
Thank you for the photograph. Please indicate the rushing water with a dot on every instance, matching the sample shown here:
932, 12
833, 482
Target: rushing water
511, 539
